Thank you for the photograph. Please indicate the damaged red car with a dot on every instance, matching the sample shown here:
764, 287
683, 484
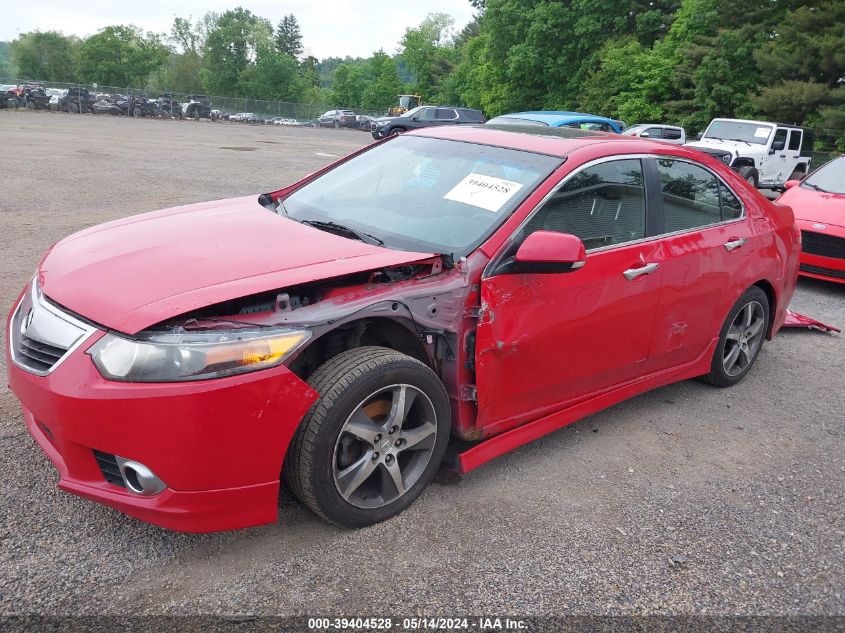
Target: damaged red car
448, 294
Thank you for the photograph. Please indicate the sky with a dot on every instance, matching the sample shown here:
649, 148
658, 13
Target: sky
334, 28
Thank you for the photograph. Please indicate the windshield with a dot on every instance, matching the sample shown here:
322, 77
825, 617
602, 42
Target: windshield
746, 131
423, 194
830, 177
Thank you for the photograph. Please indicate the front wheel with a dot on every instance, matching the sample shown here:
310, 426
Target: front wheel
373, 440
750, 174
740, 339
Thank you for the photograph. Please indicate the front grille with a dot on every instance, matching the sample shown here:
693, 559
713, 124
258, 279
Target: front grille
39, 356
822, 244
820, 270
42, 334
108, 466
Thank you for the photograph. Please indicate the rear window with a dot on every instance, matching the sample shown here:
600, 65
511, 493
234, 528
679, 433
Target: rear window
512, 120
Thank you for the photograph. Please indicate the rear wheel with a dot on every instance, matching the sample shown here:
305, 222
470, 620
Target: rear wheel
373, 440
750, 174
740, 339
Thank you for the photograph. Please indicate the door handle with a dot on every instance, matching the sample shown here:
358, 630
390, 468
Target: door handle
633, 273
733, 244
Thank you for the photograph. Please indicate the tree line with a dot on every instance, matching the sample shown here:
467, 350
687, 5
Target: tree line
673, 61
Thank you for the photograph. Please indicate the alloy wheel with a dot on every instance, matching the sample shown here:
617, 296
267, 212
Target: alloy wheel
384, 446
744, 337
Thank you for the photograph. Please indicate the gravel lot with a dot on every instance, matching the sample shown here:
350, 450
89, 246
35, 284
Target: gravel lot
744, 488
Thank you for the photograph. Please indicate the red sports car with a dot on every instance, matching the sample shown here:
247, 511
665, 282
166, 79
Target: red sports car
468, 283
819, 204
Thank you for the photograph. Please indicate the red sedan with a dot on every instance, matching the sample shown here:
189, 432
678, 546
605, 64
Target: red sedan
819, 204
487, 285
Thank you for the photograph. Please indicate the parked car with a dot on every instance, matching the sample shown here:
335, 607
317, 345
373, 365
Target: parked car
168, 106
30, 94
658, 132
819, 204
422, 117
765, 154
549, 118
364, 122
396, 317
197, 107
7, 98
108, 105
337, 118
75, 100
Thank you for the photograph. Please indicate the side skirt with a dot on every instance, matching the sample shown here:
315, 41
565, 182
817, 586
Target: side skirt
498, 445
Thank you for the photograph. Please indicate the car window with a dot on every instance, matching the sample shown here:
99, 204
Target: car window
445, 114
671, 133
690, 195
603, 205
795, 140
731, 206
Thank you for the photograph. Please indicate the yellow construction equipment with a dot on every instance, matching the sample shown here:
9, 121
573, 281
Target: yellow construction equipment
406, 102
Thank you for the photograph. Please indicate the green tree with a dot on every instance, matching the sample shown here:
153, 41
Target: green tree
48, 56
121, 56
273, 76
231, 45
429, 52
384, 83
289, 37
348, 86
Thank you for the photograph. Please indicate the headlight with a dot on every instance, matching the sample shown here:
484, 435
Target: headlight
171, 357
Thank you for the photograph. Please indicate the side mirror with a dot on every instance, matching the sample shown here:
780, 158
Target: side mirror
550, 252
789, 184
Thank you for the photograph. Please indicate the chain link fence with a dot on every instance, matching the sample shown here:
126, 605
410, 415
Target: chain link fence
173, 102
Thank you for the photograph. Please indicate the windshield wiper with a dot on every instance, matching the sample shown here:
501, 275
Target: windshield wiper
816, 187
344, 231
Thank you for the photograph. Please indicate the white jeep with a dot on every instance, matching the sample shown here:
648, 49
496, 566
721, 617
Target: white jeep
765, 154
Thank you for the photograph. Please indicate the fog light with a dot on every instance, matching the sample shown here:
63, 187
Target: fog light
138, 478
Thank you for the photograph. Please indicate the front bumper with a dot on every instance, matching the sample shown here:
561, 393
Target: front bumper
217, 444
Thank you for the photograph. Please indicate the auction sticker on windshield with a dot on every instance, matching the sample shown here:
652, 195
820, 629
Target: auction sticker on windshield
485, 192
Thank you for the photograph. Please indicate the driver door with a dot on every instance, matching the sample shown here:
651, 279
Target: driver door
546, 340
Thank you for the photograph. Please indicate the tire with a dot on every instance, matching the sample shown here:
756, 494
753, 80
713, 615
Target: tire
353, 387
750, 174
735, 331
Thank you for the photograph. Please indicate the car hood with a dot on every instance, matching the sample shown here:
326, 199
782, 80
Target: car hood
133, 273
815, 206
728, 146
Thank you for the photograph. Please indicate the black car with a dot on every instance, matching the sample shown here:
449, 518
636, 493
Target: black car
424, 116
75, 100
197, 107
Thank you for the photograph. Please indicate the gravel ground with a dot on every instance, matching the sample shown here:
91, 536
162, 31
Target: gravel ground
684, 500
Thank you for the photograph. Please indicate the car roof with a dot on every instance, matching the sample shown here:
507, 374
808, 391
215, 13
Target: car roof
554, 141
557, 118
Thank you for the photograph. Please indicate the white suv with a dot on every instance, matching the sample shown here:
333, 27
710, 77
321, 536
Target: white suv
765, 154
